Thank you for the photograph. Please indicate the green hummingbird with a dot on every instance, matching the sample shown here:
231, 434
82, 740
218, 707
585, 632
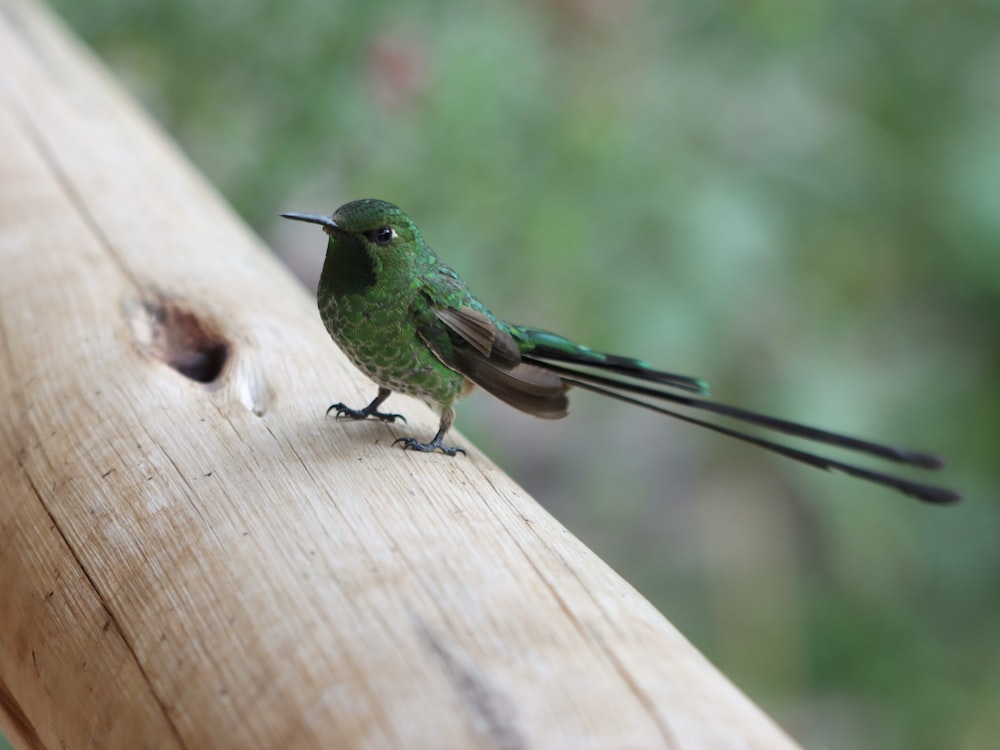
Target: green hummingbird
411, 324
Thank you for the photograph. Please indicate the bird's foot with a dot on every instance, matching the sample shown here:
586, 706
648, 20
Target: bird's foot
412, 444
346, 412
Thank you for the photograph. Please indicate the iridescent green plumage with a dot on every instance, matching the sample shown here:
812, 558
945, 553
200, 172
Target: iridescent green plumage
411, 324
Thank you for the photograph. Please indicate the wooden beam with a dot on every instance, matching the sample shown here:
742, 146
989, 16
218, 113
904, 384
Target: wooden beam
192, 556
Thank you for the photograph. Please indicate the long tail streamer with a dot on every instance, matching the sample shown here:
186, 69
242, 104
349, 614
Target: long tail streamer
630, 392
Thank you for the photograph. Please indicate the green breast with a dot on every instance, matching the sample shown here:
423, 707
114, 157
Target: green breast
371, 324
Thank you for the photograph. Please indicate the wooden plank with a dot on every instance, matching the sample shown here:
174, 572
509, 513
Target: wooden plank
206, 561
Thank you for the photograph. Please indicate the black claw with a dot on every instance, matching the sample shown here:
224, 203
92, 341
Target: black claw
412, 444
346, 412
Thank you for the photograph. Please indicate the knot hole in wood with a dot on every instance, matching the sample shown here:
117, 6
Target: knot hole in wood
165, 329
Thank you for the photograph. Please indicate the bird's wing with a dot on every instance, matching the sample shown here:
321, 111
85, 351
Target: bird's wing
471, 342
476, 329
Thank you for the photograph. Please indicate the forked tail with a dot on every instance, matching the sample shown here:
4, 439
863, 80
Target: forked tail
633, 381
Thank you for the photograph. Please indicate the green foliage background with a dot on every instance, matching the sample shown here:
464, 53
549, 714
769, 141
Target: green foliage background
798, 201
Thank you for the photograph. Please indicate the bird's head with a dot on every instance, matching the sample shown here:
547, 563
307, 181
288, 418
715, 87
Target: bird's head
380, 226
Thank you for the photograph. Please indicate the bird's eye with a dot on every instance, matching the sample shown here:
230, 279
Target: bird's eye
382, 235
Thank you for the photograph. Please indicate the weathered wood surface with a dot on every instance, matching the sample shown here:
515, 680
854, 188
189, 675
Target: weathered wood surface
213, 564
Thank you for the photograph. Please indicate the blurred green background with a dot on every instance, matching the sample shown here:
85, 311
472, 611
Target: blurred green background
798, 201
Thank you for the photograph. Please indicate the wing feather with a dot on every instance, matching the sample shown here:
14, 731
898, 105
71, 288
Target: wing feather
525, 387
472, 343
482, 333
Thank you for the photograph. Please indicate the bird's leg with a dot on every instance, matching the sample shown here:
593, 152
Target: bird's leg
343, 410
412, 444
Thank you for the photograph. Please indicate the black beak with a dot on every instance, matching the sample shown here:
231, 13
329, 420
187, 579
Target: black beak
328, 224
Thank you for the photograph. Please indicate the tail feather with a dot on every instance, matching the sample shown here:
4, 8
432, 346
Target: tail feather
628, 392
546, 346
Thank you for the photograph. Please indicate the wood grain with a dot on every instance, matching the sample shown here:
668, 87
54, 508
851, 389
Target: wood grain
192, 556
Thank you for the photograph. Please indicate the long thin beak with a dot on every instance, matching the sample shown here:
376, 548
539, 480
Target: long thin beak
328, 224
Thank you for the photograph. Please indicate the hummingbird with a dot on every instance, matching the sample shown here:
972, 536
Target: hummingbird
411, 324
